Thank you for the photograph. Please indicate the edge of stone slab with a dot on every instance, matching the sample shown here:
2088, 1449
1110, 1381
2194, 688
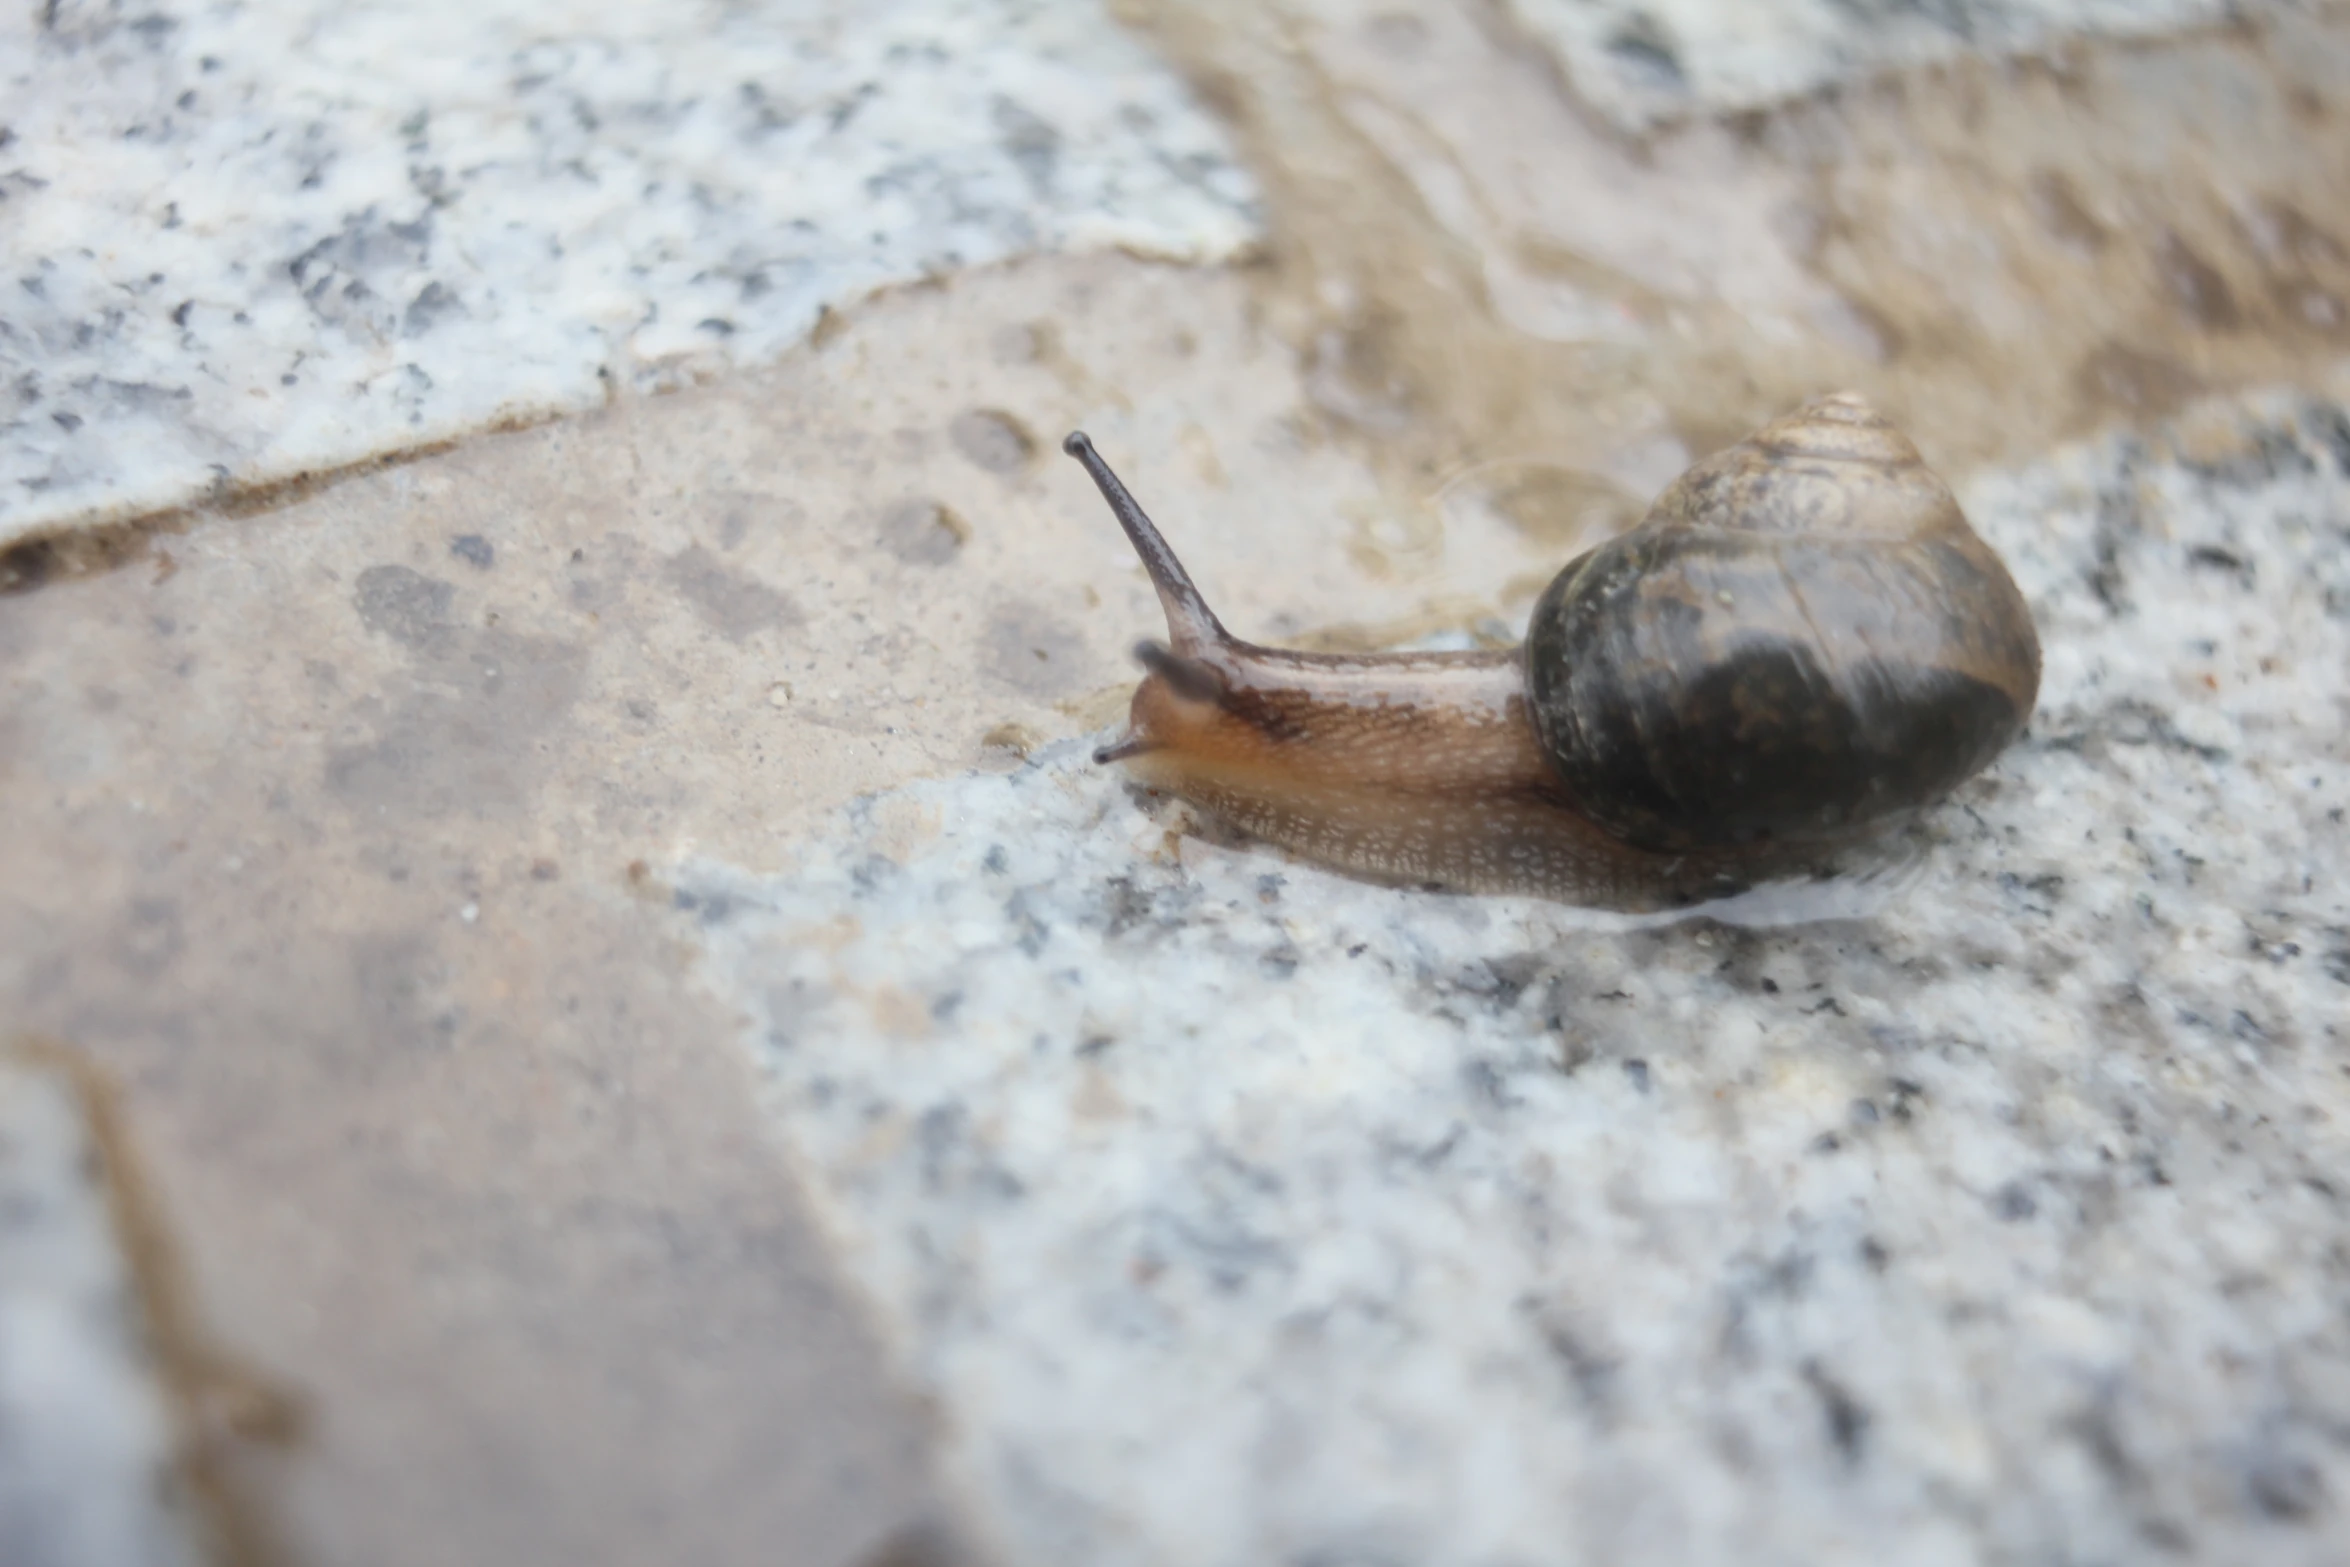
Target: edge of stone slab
103, 542
35, 553
212, 1401
1640, 117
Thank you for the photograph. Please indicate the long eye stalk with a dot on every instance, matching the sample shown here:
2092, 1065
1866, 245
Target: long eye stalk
1191, 626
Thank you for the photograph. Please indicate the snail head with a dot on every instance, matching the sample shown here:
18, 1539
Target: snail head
1184, 696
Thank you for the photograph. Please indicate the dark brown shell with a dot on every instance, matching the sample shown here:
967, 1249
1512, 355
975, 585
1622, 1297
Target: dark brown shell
1802, 638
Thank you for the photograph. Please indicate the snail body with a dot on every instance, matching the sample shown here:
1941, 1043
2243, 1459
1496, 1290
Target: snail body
1802, 644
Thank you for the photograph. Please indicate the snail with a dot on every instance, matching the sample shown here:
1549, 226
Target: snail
1802, 645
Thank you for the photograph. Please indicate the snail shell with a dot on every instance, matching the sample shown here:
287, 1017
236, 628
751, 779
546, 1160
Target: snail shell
1801, 638
1802, 643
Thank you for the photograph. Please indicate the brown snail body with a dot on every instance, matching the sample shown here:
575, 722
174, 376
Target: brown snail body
1802, 644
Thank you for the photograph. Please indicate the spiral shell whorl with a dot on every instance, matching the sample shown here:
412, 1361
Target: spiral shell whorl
1833, 466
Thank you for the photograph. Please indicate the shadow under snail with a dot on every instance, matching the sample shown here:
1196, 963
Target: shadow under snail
1800, 646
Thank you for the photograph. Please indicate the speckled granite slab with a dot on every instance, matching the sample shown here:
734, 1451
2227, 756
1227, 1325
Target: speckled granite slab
86, 1442
1643, 62
1237, 1213
250, 241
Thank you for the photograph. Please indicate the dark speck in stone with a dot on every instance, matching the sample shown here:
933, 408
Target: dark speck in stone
2331, 427
1826, 1142
1828, 1004
1126, 906
1095, 1044
1575, 1050
2037, 894
186, 100
716, 326
1790, 1276
1498, 980
1636, 1073
2014, 1202
1906, 1095
715, 909
939, 1129
1873, 1254
1432, 1155
2285, 1487
67, 422
2142, 723
1032, 143
2094, 1427
1361, 947
1643, 46
1278, 962
997, 862
1510, 975
474, 550
288, 379
1034, 932
1485, 1080
1770, 987
841, 113
1863, 1112
2117, 519
1592, 1373
1848, 1421
425, 311
2211, 557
